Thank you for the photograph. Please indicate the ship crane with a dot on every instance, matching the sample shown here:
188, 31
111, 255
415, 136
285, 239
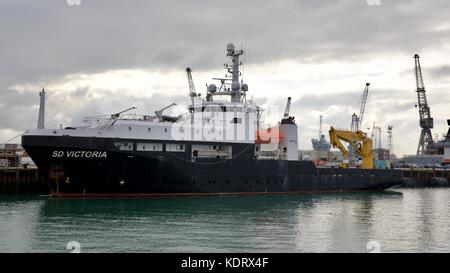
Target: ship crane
288, 108
117, 115
426, 121
357, 119
159, 113
192, 92
359, 142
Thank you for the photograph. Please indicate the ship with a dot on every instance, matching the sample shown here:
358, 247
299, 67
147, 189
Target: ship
321, 144
218, 147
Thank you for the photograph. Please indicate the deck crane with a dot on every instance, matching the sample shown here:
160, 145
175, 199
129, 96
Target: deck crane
357, 119
192, 92
288, 108
359, 142
117, 115
161, 117
426, 121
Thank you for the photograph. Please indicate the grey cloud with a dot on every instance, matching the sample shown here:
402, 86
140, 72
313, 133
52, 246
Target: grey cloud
442, 72
47, 39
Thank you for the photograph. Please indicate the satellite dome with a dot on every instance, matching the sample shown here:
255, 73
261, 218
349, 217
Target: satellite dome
230, 47
212, 88
244, 87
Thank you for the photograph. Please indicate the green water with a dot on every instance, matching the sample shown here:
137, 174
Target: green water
401, 221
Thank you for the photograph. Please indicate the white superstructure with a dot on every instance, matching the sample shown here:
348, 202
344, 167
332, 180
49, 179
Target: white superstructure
224, 115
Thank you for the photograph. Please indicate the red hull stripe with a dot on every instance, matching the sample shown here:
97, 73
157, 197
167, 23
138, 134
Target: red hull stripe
143, 195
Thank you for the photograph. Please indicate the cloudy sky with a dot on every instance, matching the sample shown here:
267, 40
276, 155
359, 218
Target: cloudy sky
101, 56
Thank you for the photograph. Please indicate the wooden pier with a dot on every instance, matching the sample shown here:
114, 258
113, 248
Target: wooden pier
21, 180
414, 178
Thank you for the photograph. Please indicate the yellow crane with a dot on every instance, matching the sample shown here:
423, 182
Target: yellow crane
359, 141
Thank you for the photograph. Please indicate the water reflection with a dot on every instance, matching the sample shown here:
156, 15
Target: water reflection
19, 215
340, 223
410, 220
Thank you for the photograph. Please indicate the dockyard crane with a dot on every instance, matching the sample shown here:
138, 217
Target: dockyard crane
320, 126
390, 143
376, 136
288, 108
357, 119
379, 137
426, 121
359, 142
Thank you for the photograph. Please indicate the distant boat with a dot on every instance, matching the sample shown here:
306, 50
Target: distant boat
321, 145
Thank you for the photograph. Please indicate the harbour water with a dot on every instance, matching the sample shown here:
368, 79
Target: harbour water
404, 220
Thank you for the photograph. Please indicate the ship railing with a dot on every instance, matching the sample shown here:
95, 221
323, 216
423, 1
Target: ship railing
106, 121
105, 118
341, 129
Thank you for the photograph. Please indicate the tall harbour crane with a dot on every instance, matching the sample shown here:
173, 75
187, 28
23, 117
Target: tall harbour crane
357, 119
320, 126
390, 142
426, 121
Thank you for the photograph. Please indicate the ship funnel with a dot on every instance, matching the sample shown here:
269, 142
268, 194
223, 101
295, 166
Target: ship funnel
41, 118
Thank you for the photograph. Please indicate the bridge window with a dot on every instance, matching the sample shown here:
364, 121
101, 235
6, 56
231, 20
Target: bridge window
154, 147
211, 151
124, 146
175, 147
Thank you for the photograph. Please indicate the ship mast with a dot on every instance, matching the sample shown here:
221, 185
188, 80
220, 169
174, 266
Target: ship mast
236, 90
233, 69
41, 117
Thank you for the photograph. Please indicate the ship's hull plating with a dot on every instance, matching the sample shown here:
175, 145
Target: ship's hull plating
95, 166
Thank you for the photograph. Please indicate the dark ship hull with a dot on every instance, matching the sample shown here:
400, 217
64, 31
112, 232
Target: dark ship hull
92, 166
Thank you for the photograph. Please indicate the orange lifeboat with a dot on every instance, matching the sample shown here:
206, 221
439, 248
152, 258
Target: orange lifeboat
269, 136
